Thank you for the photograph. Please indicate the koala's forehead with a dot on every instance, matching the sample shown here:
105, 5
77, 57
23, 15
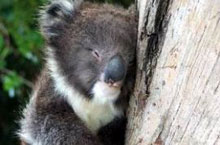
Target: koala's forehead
100, 26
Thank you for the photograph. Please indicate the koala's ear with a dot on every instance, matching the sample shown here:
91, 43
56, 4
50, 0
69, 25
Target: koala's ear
56, 15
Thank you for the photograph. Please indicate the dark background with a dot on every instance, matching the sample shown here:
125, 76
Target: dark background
21, 60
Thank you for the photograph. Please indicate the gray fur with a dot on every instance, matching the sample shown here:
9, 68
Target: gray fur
73, 34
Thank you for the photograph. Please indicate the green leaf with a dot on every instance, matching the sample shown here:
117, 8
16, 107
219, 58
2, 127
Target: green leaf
11, 81
4, 53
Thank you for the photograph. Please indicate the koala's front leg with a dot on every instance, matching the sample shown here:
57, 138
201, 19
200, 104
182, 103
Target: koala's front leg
65, 131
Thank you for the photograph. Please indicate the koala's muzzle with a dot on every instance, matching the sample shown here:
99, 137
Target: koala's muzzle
115, 70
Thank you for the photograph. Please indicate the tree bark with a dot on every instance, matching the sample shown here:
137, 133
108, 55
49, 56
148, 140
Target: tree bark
177, 92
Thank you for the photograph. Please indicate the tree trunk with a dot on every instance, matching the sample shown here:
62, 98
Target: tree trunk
177, 92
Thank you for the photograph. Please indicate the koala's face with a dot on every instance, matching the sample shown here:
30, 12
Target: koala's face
93, 45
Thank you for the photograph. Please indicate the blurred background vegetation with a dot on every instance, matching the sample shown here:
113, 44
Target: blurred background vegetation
20, 60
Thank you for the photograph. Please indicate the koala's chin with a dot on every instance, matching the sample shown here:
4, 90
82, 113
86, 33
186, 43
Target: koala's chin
81, 96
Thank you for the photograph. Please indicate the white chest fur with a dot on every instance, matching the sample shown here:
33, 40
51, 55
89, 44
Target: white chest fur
96, 115
100, 110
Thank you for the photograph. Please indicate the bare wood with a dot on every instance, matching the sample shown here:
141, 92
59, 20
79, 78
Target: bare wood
177, 95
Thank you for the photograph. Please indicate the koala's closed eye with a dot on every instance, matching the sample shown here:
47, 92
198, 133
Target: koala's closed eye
95, 53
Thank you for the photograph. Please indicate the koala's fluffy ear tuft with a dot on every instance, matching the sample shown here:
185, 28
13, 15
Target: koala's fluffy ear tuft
57, 14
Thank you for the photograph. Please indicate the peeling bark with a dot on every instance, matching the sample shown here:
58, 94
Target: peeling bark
177, 97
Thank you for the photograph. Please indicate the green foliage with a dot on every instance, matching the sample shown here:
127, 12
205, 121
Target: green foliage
20, 59
20, 44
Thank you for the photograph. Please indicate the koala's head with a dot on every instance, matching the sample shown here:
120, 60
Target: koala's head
92, 45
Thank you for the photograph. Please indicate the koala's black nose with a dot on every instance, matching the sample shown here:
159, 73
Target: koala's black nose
115, 70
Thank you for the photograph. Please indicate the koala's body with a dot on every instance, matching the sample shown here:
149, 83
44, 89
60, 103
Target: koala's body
81, 95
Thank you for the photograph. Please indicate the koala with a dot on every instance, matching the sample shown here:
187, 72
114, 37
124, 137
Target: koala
81, 95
